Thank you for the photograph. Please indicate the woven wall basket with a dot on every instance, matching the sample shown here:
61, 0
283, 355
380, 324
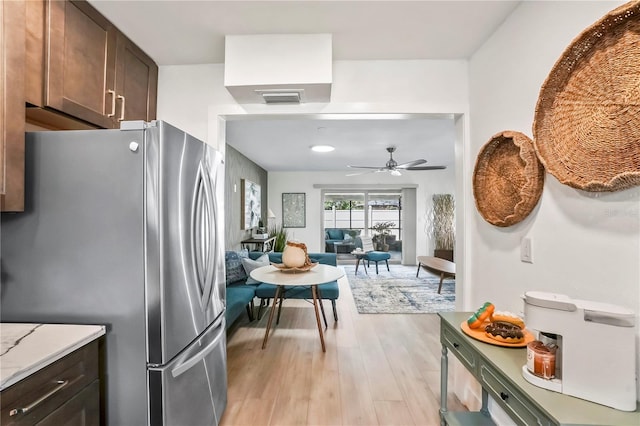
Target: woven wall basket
507, 179
587, 120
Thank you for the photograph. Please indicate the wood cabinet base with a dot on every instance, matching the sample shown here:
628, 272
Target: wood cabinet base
68, 389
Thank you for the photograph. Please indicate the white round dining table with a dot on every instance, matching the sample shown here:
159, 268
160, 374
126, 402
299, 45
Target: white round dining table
320, 274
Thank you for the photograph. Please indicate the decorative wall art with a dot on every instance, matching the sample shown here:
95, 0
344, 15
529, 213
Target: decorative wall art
293, 210
587, 120
507, 179
250, 210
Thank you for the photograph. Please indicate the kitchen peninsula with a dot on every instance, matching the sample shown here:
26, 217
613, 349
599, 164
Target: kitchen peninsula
49, 372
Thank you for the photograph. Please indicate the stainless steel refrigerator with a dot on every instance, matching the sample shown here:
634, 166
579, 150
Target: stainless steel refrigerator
125, 228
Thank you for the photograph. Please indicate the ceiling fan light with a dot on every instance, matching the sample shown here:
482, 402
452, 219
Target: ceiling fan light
395, 173
322, 148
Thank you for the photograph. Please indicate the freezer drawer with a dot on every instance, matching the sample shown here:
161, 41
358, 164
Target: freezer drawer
191, 390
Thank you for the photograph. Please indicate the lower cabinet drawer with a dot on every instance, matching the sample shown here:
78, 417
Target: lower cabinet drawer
509, 399
32, 399
81, 410
459, 348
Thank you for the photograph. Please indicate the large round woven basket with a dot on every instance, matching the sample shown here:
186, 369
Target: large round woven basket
507, 179
587, 120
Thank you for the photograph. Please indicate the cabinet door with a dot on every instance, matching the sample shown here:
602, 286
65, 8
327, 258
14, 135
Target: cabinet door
80, 65
81, 410
136, 82
12, 121
34, 46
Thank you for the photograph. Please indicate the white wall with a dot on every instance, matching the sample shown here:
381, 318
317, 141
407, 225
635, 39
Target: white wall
423, 87
192, 97
185, 93
436, 181
585, 245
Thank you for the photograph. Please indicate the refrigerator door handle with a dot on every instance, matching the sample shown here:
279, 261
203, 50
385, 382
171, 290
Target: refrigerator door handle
212, 252
201, 354
200, 238
215, 168
195, 242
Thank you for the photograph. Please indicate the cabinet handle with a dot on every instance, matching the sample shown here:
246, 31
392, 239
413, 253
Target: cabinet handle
504, 396
34, 404
122, 109
113, 103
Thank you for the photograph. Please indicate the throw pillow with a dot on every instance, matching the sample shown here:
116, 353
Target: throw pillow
233, 265
335, 234
250, 264
347, 237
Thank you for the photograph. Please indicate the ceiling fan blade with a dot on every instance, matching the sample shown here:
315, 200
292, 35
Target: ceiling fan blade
362, 173
427, 168
410, 164
364, 167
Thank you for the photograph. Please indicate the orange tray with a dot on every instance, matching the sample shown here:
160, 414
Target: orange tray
478, 334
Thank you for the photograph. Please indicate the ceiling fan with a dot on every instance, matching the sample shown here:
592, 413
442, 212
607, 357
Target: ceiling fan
394, 168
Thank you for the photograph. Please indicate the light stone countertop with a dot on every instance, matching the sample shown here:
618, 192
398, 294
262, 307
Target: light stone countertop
27, 348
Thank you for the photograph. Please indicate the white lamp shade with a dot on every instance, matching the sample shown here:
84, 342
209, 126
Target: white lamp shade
270, 214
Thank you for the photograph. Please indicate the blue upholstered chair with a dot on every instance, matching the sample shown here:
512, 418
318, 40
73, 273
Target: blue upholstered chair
371, 255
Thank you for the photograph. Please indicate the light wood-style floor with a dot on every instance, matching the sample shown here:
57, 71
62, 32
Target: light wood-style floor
377, 370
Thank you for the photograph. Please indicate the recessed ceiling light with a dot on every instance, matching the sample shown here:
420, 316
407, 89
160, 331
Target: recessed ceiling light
322, 148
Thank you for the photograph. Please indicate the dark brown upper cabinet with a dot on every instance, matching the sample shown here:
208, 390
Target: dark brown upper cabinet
92, 71
136, 82
73, 69
12, 124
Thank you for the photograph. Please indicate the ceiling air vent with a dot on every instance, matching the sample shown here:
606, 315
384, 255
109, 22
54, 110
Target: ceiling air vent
281, 96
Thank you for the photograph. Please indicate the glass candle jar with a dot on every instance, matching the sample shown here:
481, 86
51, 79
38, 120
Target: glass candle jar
541, 359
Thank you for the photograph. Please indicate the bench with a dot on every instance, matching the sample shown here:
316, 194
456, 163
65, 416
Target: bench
240, 295
438, 266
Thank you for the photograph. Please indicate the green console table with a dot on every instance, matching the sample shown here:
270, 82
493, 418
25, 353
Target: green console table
499, 371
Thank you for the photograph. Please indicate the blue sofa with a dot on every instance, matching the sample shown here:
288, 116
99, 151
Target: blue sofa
329, 291
335, 235
240, 296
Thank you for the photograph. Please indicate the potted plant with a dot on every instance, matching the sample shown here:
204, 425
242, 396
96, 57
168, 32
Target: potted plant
442, 226
281, 237
382, 230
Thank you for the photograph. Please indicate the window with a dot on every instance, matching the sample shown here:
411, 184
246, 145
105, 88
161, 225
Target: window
346, 210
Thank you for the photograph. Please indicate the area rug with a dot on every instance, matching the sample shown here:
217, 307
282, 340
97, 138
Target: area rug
398, 291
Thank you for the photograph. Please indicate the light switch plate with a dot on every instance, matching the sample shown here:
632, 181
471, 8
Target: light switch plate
526, 250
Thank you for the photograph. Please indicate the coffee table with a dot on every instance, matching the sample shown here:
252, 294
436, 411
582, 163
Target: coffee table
320, 274
438, 266
348, 246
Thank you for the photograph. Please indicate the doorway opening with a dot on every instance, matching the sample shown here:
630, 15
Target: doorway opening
414, 242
